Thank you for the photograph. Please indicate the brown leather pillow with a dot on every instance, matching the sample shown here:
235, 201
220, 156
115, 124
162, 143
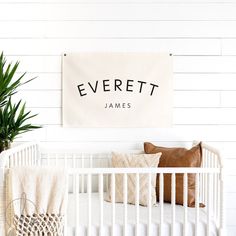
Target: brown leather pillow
177, 157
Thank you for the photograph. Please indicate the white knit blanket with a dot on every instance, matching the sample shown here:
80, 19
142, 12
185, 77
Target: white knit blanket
36, 201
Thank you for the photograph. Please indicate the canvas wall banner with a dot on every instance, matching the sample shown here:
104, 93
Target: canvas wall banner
117, 90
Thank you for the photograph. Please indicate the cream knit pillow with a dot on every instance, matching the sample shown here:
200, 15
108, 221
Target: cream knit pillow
120, 160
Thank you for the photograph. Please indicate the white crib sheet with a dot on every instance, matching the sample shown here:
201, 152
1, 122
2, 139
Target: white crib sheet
83, 218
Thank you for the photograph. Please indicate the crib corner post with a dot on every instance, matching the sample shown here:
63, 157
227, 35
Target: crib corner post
222, 204
3, 165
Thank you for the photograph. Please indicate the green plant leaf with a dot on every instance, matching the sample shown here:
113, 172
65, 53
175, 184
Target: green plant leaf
13, 119
8, 84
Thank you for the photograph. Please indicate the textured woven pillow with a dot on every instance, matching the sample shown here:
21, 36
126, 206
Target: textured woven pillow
134, 161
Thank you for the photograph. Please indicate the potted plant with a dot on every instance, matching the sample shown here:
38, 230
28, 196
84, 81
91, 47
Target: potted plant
13, 117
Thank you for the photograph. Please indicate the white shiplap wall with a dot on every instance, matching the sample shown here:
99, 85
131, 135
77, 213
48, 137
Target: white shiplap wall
200, 34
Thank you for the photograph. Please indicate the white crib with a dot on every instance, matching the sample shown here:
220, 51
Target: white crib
89, 174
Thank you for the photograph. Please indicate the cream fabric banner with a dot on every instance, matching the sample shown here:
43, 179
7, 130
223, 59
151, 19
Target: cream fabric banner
117, 90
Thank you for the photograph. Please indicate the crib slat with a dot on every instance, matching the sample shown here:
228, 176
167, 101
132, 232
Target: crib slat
73, 161
32, 155
215, 191
185, 204
161, 200
101, 202
215, 196
91, 160
82, 176
48, 161
173, 203
37, 155
18, 161
209, 198
218, 196
216, 187
205, 175
65, 159
25, 157
56, 159
149, 204
204, 187
12, 161
21, 159
89, 204
137, 204
222, 204
77, 203
113, 202
211, 156
108, 160
26, 154
125, 202
196, 203
29, 156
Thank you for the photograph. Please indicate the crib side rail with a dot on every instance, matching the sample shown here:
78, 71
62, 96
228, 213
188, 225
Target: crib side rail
88, 175
26, 154
163, 170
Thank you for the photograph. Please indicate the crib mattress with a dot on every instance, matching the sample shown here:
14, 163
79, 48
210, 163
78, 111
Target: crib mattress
107, 211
